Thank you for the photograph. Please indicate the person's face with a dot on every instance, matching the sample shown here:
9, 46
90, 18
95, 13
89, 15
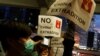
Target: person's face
44, 53
23, 40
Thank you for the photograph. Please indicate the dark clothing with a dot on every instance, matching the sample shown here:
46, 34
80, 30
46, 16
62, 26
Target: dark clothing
68, 47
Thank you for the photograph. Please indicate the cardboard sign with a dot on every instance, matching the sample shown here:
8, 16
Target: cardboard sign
57, 42
78, 11
49, 26
58, 51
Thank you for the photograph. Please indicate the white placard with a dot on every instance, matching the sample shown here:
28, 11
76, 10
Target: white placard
58, 51
49, 26
78, 11
57, 42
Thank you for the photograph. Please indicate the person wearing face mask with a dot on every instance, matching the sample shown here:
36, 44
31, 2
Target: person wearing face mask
40, 48
16, 39
38, 41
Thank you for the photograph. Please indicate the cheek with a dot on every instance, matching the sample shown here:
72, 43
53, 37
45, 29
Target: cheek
44, 53
23, 40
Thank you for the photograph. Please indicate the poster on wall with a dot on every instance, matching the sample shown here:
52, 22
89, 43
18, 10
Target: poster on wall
78, 11
49, 26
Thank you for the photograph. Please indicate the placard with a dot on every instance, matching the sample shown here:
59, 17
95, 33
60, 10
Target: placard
49, 26
78, 11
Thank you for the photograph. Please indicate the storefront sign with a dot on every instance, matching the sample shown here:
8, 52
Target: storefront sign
49, 26
78, 11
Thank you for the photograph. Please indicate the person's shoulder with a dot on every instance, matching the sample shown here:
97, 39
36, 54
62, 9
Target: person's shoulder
35, 53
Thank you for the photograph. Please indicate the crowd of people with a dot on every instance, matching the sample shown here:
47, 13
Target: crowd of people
16, 41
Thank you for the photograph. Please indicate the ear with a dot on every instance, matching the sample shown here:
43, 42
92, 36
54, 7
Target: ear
23, 40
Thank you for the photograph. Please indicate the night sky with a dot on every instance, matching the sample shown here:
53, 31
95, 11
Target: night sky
97, 21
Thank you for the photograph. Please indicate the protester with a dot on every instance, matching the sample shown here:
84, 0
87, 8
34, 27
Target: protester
15, 38
37, 39
44, 50
40, 48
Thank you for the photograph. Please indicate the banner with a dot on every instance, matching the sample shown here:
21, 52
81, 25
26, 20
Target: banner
49, 26
78, 11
